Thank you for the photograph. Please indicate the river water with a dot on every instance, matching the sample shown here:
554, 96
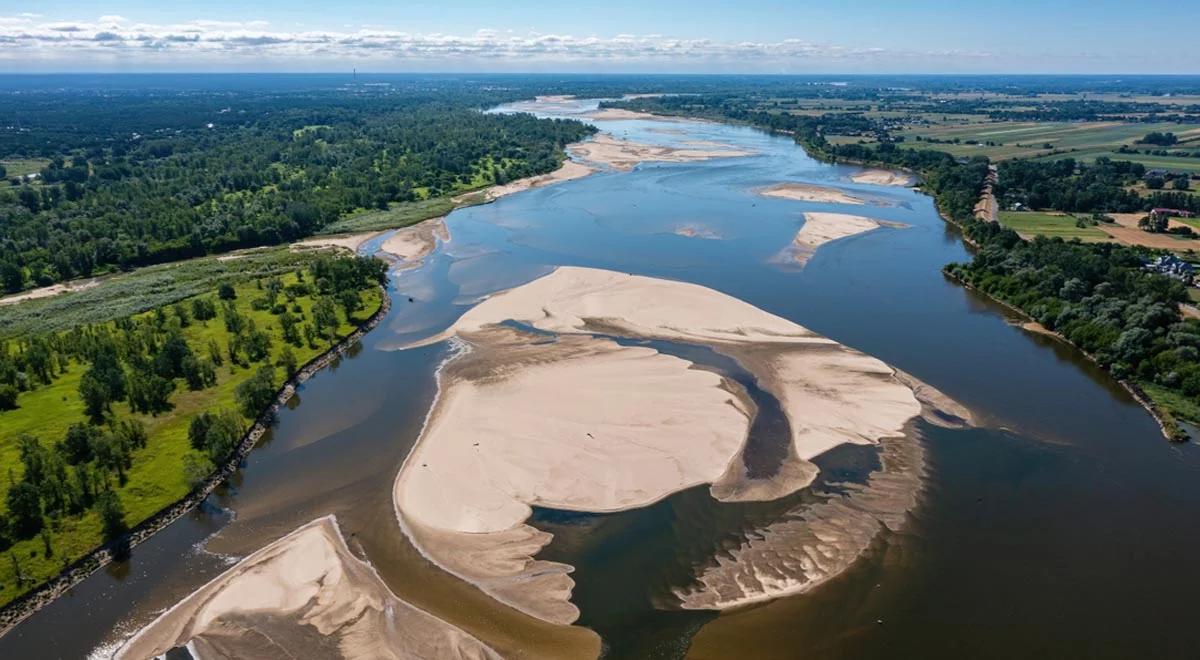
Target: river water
1060, 527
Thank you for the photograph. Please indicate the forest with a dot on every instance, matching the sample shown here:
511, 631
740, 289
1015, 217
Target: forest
1066, 185
106, 423
142, 178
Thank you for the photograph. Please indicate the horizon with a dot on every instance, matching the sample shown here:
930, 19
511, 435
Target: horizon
763, 37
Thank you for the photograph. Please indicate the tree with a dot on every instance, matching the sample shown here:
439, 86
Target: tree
226, 292
78, 445
24, 509
1181, 182
203, 309
325, 318
256, 393
149, 392
1155, 182
112, 515
287, 360
8, 396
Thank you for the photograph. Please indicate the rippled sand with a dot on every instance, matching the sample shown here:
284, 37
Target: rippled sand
303, 596
577, 422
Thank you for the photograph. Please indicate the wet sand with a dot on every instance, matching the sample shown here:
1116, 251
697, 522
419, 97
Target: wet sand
303, 596
569, 170
624, 155
805, 192
822, 228
582, 423
412, 244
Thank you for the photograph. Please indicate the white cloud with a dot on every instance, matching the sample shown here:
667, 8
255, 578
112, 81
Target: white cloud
117, 40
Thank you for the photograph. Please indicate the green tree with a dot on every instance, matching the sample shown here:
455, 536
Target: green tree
24, 509
256, 393
226, 292
112, 515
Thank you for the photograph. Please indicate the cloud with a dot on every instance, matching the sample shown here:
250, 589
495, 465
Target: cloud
115, 39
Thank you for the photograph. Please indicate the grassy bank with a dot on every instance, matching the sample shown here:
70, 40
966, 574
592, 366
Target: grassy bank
168, 463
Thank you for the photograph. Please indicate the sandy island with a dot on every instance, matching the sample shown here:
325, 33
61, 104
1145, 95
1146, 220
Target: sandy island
574, 421
822, 228
695, 231
882, 177
413, 244
303, 596
624, 155
807, 192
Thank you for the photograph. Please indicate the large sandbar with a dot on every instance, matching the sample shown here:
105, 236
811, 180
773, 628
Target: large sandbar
807, 192
621, 154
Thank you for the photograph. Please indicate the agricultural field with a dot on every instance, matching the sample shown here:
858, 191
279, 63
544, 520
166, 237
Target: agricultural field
1049, 140
1172, 163
1051, 225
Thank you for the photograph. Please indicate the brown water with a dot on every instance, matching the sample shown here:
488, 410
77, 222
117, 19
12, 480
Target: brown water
1063, 528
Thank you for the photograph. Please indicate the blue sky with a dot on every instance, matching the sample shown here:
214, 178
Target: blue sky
765, 36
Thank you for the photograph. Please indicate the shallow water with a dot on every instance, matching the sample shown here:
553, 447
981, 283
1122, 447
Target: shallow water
1061, 528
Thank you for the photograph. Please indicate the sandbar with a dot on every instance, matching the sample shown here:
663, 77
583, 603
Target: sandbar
695, 231
546, 412
49, 291
303, 596
882, 178
412, 244
822, 228
621, 154
568, 171
807, 192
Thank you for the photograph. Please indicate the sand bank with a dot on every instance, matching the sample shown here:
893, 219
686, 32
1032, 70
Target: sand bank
813, 543
412, 244
582, 423
554, 98
807, 192
822, 228
611, 114
568, 171
695, 231
48, 291
882, 177
349, 242
304, 596
621, 154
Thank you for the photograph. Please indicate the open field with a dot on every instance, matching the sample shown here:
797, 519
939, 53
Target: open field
156, 476
24, 166
1060, 225
1082, 140
1179, 163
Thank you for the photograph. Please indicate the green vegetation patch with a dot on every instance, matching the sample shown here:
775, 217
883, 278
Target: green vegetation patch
1059, 225
104, 424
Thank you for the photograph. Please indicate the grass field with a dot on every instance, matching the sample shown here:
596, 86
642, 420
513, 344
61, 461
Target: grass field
399, 215
156, 478
22, 167
1174, 163
1050, 225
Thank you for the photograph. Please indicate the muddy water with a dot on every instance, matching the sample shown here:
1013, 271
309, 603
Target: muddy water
1064, 527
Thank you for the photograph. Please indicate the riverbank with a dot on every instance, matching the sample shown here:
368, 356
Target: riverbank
1167, 423
17, 610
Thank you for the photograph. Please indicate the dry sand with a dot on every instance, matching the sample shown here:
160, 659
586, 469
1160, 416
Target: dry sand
412, 244
568, 171
583, 423
304, 596
48, 291
807, 192
822, 228
349, 242
621, 154
882, 177
609, 114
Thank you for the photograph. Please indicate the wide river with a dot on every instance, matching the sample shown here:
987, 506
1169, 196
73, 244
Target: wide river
1060, 527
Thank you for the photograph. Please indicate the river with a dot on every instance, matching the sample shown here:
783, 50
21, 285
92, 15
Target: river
1058, 527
